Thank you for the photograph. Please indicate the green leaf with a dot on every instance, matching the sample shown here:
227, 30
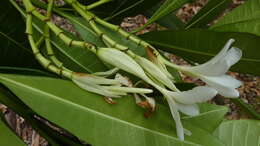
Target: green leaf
245, 18
97, 122
208, 13
166, 8
7, 137
129, 8
15, 104
170, 21
247, 108
14, 50
116, 10
210, 118
201, 45
24, 71
239, 133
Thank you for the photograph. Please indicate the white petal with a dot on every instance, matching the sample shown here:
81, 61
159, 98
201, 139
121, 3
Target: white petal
162, 66
187, 132
121, 60
155, 72
97, 89
225, 85
128, 89
222, 52
151, 101
233, 56
191, 109
123, 80
196, 95
176, 117
137, 98
219, 65
88, 78
107, 73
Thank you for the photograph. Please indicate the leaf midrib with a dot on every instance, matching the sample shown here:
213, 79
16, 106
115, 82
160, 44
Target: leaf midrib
236, 22
204, 15
15, 42
195, 52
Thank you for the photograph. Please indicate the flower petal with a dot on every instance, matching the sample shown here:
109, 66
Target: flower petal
176, 117
128, 89
218, 65
196, 95
97, 89
233, 56
225, 85
88, 78
191, 109
155, 72
121, 60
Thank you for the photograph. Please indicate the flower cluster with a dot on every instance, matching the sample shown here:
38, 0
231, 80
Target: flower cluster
154, 73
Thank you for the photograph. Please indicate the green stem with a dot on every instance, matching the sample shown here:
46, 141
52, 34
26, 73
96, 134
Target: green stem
95, 4
49, 49
91, 18
42, 60
59, 32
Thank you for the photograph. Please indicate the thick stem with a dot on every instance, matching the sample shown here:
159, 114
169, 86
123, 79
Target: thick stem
59, 32
95, 4
42, 60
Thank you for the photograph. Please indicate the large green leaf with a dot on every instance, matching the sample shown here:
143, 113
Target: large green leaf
7, 137
208, 13
245, 18
201, 45
95, 121
15, 104
239, 133
13, 50
167, 7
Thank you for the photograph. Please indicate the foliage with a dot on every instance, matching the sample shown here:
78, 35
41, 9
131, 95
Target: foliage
29, 90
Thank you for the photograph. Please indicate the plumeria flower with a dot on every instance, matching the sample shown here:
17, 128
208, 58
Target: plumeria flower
103, 86
213, 72
155, 72
121, 60
177, 100
152, 54
185, 101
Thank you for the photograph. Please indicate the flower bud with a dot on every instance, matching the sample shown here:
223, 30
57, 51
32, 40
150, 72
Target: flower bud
121, 60
155, 72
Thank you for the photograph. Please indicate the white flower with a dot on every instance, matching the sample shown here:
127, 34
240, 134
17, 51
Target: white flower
103, 86
121, 60
213, 71
178, 101
186, 102
155, 72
